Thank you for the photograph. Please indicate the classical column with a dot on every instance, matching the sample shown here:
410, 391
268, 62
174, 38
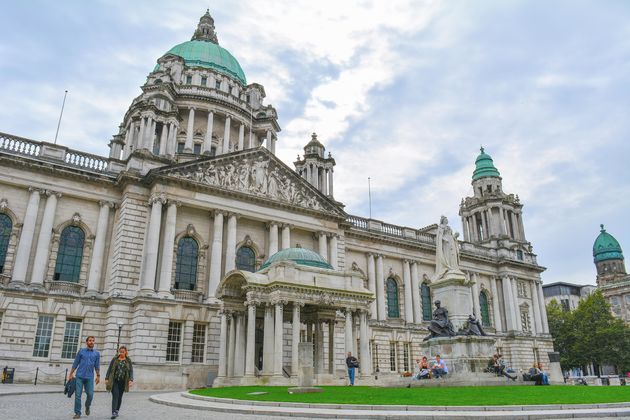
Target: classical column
543, 309
152, 243
98, 254
514, 225
286, 236
241, 137
268, 342
372, 284
223, 345
334, 260
278, 353
495, 305
239, 352
408, 298
273, 238
171, 147
230, 251
366, 361
163, 137
330, 182
348, 343
150, 134
207, 141
355, 336
141, 133
331, 346
166, 269
517, 310
273, 145
484, 224
226, 135
316, 177
295, 339
415, 293
380, 289
475, 296
188, 146
126, 149
508, 301
324, 182
40, 265
537, 321
323, 245
23, 252
231, 346
309, 179
250, 352
268, 142
215, 254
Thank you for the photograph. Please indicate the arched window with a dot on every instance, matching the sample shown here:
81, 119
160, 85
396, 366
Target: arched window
483, 307
246, 259
425, 293
186, 267
393, 311
70, 254
5, 235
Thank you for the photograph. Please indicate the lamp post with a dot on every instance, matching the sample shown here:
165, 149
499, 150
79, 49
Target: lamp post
120, 325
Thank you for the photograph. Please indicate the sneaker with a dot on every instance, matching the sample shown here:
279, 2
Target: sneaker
87, 410
77, 416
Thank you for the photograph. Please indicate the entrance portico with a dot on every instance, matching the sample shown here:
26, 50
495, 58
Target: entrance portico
292, 300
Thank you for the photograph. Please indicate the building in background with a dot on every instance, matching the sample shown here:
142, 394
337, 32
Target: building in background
568, 295
206, 254
612, 278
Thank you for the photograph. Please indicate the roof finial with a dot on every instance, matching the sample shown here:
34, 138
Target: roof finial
481, 149
205, 29
602, 228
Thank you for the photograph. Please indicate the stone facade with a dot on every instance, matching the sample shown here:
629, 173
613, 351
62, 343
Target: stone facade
140, 247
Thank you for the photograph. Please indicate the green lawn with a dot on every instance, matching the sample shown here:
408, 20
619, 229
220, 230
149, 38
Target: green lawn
493, 395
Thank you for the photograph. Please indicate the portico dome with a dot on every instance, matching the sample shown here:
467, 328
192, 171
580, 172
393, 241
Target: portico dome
299, 256
606, 247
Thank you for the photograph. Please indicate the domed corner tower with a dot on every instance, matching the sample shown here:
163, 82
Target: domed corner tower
608, 259
491, 217
316, 168
196, 101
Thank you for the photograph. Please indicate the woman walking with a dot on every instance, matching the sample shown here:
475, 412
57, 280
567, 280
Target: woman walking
119, 378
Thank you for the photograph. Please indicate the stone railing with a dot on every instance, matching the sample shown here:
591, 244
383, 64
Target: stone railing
65, 288
86, 161
390, 230
187, 295
19, 145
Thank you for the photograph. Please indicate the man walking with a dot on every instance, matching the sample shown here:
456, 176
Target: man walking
351, 363
87, 361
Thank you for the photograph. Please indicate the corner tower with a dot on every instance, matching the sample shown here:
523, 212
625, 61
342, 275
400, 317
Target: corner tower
608, 258
490, 214
316, 168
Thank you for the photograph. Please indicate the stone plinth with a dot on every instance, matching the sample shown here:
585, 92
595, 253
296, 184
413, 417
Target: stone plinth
455, 294
463, 354
305, 368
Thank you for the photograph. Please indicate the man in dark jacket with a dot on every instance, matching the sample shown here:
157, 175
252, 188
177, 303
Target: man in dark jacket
351, 363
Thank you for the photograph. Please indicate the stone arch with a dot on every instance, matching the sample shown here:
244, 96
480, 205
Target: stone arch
249, 243
393, 295
202, 249
88, 245
8, 259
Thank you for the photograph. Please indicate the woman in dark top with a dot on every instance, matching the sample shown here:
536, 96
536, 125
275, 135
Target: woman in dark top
119, 378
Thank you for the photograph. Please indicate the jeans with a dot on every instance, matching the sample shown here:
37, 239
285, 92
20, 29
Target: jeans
351, 375
439, 372
118, 389
81, 383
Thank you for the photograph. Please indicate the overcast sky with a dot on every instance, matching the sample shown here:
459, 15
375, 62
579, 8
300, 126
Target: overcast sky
401, 91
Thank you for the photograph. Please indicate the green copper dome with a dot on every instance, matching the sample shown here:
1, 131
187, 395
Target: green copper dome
207, 54
300, 256
484, 167
606, 247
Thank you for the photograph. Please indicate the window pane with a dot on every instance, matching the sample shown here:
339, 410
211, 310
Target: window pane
43, 336
483, 306
246, 259
174, 341
426, 302
5, 235
71, 339
186, 266
392, 299
70, 255
199, 343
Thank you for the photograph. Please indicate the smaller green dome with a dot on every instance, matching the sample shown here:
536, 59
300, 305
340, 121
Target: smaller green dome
484, 167
300, 256
606, 247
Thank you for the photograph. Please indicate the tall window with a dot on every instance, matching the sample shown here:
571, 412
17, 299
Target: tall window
174, 341
204, 80
71, 338
425, 293
180, 147
186, 267
374, 352
393, 356
5, 234
68, 267
483, 307
43, 336
393, 311
188, 80
197, 148
198, 343
246, 259
406, 356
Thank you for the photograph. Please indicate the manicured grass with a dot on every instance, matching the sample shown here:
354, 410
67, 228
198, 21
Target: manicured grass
455, 396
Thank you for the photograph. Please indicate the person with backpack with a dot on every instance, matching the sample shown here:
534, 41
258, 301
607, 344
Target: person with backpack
352, 363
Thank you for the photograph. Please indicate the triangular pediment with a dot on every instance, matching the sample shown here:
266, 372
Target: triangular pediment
255, 172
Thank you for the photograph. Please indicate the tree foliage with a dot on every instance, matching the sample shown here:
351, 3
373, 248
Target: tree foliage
589, 334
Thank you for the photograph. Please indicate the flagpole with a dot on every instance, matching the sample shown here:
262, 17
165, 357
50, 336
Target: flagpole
60, 115
370, 196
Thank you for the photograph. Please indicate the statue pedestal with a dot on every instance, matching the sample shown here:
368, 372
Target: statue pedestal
455, 294
463, 354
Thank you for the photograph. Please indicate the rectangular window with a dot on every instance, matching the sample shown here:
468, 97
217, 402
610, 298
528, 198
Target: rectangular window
174, 341
204, 81
197, 148
188, 80
180, 147
198, 343
217, 84
43, 336
519, 255
374, 351
565, 305
71, 338
406, 354
393, 356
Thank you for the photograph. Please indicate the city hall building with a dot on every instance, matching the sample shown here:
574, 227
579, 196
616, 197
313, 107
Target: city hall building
205, 254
